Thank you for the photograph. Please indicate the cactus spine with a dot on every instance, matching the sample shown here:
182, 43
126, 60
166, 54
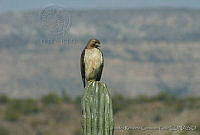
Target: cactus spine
97, 113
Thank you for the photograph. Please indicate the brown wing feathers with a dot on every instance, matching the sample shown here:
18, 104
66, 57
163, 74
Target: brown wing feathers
101, 69
82, 64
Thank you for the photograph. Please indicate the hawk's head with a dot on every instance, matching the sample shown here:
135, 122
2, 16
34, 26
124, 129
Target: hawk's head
93, 43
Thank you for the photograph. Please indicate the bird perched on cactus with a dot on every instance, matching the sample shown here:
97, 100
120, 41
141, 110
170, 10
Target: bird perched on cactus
91, 62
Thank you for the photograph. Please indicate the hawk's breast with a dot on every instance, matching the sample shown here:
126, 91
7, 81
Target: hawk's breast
93, 60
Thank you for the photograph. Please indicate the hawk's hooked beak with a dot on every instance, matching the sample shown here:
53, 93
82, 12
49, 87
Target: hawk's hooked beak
97, 43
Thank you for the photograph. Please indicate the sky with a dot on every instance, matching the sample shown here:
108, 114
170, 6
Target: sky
21, 5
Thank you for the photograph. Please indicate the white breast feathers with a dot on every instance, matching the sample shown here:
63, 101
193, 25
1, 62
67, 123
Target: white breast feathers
93, 60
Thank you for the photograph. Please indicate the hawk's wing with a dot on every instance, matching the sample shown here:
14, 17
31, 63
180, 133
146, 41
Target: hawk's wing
100, 69
82, 64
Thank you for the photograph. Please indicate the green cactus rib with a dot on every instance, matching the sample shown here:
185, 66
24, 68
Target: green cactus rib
97, 113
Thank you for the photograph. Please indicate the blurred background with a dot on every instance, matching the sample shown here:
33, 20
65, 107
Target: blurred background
151, 50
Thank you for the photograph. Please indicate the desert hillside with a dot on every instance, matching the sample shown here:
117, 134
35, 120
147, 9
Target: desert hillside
146, 51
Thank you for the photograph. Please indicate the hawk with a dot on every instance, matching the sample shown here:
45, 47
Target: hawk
91, 62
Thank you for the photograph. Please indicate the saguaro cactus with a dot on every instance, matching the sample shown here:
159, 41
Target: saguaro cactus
97, 113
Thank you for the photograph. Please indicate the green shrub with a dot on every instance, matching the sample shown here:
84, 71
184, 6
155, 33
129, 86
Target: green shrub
18, 107
157, 117
190, 102
65, 97
119, 103
29, 106
4, 131
11, 115
164, 96
4, 99
142, 99
24, 106
179, 107
51, 98
78, 100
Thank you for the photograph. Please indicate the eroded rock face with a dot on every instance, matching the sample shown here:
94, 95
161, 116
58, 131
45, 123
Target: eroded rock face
155, 50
